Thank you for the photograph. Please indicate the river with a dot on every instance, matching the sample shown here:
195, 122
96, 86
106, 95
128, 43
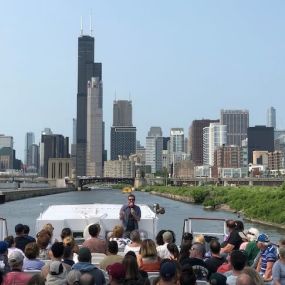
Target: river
26, 211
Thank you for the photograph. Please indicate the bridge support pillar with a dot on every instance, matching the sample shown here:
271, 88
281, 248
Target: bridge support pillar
139, 182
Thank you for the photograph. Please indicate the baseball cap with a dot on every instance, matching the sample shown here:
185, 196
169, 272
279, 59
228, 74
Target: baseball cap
167, 270
15, 258
3, 247
84, 254
55, 267
116, 270
263, 238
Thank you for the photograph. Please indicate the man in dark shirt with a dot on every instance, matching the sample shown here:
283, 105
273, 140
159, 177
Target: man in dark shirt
216, 259
21, 240
199, 266
130, 215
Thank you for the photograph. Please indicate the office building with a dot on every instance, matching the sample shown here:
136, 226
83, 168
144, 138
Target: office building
276, 160
123, 141
123, 134
52, 146
213, 136
120, 168
196, 139
154, 147
94, 154
260, 138
271, 117
29, 141
6, 141
122, 113
237, 122
87, 69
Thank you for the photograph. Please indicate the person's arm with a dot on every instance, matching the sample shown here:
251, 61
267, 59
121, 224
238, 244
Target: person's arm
228, 248
258, 267
276, 274
268, 272
122, 213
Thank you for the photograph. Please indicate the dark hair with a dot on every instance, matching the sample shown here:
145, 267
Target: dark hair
94, 230
173, 249
66, 232
131, 253
57, 249
215, 246
131, 267
19, 228
185, 251
32, 250
132, 195
10, 241
26, 229
158, 238
238, 259
239, 226
187, 236
113, 247
187, 276
67, 252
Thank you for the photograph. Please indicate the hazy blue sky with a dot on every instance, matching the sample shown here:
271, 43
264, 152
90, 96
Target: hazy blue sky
177, 60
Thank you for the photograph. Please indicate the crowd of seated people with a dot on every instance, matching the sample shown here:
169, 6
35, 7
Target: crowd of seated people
245, 257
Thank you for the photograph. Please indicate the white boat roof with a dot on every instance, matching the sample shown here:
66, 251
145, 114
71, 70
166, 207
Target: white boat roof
86, 211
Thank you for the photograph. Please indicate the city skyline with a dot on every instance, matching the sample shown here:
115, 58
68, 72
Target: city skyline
229, 54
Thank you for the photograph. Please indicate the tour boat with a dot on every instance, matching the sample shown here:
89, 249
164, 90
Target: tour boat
79, 217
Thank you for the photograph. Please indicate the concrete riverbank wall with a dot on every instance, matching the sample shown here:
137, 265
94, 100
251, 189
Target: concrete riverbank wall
30, 193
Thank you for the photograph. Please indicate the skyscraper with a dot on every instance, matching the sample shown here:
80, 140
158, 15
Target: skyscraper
196, 139
154, 147
271, 117
237, 122
122, 113
123, 134
29, 141
87, 68
260, 138
213, 136
94, 154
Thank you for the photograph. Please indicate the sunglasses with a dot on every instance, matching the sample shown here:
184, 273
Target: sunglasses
130, 199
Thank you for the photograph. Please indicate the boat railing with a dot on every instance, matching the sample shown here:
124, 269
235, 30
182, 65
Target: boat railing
188, 226
3, 228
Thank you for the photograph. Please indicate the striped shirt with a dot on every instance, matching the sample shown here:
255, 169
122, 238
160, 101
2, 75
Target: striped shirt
269, 254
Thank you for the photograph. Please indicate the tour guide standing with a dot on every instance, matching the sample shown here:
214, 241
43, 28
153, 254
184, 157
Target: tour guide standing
130, 215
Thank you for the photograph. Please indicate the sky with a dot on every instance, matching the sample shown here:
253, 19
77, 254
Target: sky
176, 60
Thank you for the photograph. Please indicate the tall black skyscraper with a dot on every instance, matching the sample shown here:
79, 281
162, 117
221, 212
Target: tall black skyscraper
260, 138
87, 68
123, 134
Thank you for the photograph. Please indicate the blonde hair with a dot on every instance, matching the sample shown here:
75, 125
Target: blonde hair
148, 248
118, 231
199, 239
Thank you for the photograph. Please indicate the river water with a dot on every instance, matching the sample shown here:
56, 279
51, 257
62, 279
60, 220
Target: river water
26, 211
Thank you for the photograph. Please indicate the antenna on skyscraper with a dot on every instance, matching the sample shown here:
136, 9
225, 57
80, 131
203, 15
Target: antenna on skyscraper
130, 96
115, 95
81, 27
90, 22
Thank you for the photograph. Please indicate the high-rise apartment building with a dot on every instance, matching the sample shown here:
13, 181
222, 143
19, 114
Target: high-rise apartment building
122, 113
196, 139
123, 138
260, 138
271, 117
87, 69
94, 154
154, 147
237, 122
213, 136
29, 141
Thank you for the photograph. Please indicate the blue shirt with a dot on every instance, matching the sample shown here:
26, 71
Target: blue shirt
129, 222
269, 254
